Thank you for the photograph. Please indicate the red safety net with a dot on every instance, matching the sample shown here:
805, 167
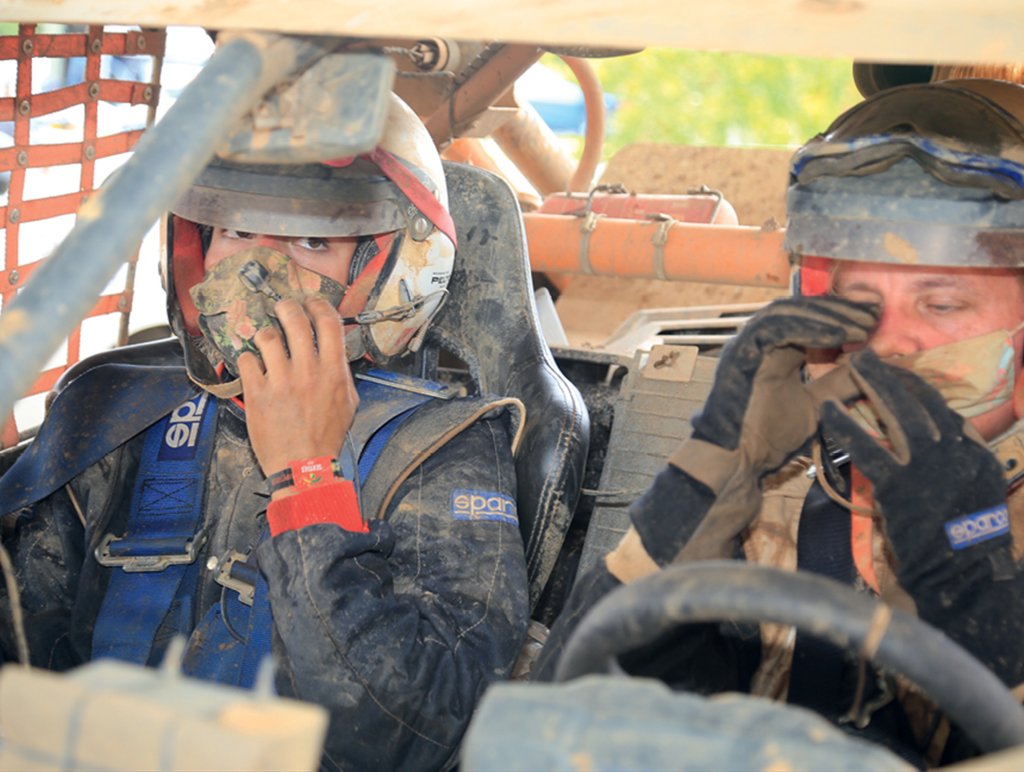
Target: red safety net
37, 208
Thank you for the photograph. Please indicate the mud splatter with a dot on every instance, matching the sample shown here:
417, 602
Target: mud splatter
901, 249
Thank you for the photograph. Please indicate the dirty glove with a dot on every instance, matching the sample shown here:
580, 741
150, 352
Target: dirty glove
758, 415
758, 409
943, 499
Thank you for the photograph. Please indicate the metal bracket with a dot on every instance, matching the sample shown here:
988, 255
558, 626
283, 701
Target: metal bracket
236, 581
587, 226
138, 563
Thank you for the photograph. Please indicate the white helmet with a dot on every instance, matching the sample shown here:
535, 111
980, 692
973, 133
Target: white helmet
395, 196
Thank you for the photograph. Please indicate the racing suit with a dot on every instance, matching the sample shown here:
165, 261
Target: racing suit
396, 630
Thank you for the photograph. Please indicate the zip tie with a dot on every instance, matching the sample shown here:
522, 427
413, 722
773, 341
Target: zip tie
587, 226
660, 237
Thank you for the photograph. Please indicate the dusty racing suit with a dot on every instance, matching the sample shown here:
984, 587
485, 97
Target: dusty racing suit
396, 630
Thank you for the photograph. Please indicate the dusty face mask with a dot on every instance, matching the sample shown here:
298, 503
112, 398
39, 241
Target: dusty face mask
974, 376
236, 299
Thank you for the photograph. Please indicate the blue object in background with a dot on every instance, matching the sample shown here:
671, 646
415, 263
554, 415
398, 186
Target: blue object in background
559, 102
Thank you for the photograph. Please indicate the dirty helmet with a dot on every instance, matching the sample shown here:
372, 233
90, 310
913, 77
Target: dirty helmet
924, 174
919, 175
394, 198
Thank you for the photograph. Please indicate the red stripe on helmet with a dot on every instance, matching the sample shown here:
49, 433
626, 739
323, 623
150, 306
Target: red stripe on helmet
407, 182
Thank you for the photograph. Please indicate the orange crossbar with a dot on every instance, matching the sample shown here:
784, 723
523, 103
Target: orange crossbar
717, 254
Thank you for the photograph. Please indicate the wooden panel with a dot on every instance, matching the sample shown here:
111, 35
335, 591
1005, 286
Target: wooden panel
884, 30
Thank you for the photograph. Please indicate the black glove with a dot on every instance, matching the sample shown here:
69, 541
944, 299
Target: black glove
943, 499
743, 431
758, 402
758, 415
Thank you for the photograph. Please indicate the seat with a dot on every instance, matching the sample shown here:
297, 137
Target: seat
490, 323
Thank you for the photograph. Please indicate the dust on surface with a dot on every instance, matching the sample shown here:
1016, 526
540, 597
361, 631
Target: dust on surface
901, 249
592, 307
753, 180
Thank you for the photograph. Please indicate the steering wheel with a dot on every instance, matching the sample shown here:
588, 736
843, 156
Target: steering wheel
729, 590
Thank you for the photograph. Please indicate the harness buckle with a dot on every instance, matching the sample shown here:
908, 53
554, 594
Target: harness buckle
135, 555
235, 573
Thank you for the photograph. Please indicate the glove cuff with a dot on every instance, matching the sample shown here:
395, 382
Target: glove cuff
629, 561
706, 462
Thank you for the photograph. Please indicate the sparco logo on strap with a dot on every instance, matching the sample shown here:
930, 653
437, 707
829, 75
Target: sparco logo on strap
180, 439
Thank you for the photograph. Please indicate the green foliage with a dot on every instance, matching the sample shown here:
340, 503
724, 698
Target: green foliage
706, 98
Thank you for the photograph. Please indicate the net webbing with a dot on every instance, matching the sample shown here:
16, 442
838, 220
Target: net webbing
23, 108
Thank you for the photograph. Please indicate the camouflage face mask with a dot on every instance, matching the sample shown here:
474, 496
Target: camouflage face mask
236, 299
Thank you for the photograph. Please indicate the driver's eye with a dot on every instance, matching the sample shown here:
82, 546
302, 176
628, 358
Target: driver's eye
233, 234
313, 243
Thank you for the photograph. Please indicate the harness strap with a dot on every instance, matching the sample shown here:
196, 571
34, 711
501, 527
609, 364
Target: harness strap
235, 635
862, 528
162, 536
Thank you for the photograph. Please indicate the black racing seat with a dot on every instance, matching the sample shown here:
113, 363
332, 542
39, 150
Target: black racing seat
490, 323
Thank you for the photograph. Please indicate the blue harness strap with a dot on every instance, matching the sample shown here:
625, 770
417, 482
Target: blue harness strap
162, 537
235, 635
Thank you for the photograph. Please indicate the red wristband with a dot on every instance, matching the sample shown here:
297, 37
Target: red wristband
335, 502
305, 473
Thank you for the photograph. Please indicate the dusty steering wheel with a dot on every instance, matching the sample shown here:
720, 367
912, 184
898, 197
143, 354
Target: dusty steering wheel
708, 591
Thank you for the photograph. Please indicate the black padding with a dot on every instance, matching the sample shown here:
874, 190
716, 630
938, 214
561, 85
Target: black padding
490, 322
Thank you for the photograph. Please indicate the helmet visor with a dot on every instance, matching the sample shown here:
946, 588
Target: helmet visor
295, 201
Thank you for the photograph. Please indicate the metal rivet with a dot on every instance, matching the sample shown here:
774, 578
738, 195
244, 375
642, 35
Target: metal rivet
22, 158
24, 107
140, 43
147, 93
27, 45
13, 277
122, 304
212, 563
94, 90
96, 45
14, 215
420, 228
90, 152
